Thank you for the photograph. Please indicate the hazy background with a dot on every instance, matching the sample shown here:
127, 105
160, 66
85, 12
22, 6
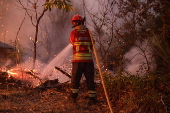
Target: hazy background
54, 30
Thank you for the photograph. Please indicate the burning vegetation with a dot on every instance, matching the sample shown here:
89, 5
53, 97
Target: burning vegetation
47, 96
27, 78
24, 90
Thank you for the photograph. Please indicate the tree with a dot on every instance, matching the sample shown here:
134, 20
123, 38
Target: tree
35, 11
160, 30
60, 4
120, 25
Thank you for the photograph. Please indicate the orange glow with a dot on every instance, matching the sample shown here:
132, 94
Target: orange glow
19, 73
11, 73
24, 75
15, 73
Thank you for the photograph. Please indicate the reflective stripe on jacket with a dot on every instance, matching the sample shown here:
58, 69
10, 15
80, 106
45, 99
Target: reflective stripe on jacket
82, 46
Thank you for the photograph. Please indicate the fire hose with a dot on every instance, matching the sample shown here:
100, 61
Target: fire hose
101, 75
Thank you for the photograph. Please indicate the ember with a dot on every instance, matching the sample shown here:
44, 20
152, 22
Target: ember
27, 78
18, 78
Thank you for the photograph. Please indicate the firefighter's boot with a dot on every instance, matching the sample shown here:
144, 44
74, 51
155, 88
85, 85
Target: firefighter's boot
73, 97
92, 97
92, 101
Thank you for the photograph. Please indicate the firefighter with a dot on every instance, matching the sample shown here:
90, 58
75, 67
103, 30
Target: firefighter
82, 62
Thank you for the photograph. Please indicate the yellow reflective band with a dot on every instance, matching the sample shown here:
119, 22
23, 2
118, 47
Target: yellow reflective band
90, 51
75, 90
82, 58
83, 54
92, 95
82, 43
81, 30
91, 91
77, 48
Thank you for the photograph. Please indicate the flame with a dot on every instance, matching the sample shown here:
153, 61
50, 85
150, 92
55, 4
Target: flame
11, 73
20, 73
23, 75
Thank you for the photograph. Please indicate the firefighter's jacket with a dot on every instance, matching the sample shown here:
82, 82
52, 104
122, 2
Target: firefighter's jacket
82, 45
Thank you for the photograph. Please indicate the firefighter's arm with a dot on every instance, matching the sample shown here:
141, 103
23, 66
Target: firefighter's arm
71, 39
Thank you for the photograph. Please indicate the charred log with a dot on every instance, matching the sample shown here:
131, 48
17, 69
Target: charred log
62, 71
49, 84
33, 74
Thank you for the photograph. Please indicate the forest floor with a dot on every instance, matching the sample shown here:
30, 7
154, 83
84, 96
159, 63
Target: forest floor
49, 100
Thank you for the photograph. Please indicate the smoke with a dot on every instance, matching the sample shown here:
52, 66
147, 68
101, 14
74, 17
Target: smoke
53, 32
11, 18
139, 58
54, 29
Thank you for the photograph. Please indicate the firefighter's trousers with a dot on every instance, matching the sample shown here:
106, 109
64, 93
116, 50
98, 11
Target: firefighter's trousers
80, 68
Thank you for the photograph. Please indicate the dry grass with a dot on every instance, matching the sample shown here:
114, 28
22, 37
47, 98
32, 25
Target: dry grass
137, 95
51, 100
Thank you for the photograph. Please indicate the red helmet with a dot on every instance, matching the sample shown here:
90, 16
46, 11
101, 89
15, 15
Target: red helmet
76, 17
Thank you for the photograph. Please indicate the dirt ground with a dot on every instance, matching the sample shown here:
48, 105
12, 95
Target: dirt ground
49, 100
